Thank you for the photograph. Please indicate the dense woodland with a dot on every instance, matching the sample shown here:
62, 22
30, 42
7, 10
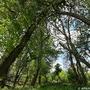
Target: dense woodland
34, 34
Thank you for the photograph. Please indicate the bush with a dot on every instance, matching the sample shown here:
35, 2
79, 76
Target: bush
63, 76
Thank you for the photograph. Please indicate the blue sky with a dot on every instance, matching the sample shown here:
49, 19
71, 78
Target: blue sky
62, 61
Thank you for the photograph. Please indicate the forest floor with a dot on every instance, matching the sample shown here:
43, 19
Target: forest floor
54, 87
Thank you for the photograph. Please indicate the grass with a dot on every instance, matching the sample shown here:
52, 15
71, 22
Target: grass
58, 87
50, 87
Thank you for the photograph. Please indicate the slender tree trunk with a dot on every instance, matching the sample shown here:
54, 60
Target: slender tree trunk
74, 69
46, 79
17, 76
35, 77
79, 58
26, 80
39, 79
81, 73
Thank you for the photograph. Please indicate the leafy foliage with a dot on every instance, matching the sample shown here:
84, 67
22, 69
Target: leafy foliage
33, 33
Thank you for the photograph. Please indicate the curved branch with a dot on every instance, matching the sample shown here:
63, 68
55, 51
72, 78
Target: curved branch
80, 17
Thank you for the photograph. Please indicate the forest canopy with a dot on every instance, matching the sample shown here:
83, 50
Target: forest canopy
35, 33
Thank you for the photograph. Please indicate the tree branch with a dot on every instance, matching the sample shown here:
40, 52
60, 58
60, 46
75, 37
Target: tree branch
80, 17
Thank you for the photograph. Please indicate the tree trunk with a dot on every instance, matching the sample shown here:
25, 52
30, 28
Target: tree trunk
74, 69
39, 79
17, 76
81, 73
46, 79
26, 80
35, 78
4, 67
79, 58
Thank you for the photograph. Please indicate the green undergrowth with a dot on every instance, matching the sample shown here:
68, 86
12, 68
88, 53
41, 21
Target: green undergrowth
52, 87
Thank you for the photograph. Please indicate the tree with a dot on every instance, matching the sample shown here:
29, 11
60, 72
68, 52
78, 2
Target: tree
62, 26
57, 70
20, 21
